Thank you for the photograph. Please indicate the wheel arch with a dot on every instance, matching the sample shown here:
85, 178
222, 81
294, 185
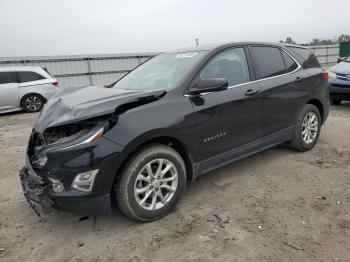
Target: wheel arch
316, 102
192, 169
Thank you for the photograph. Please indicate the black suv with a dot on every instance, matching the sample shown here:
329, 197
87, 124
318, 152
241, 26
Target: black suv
170, 120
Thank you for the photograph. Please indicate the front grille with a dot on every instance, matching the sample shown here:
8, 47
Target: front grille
343, 86
343, 76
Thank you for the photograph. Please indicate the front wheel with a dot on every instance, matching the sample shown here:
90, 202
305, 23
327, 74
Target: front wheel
151, 183
307, 129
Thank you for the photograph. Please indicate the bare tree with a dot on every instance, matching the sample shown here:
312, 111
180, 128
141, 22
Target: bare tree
344, 38
289, 40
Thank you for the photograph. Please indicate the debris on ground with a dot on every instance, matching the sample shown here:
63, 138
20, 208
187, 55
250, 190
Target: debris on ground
220, 183
222, 219
80, 243
185, 229
255, 196
322, 197
320, 161
203, 238
295, 246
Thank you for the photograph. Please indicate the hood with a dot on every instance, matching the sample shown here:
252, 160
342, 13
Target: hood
341, 68
76, 104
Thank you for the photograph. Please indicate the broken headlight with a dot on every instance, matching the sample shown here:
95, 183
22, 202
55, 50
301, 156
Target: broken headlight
76, 134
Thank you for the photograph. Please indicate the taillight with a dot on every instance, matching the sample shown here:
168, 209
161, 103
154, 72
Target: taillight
55, 84
325, 75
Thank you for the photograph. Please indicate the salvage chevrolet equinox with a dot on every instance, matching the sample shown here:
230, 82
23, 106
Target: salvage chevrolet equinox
175, 117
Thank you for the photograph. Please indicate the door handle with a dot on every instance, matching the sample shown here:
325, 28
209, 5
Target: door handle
251, 92
299, 79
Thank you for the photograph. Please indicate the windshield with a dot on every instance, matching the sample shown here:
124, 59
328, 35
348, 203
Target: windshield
161, 72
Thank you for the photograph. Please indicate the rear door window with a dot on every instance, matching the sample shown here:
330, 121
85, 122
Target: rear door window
310, 60
269, 61
290, 63
25, 76
6, 77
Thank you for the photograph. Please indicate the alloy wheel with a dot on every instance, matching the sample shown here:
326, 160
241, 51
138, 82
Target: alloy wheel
32, 103
309, 127
156, 184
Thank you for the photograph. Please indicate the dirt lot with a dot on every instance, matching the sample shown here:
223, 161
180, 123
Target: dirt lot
281, 206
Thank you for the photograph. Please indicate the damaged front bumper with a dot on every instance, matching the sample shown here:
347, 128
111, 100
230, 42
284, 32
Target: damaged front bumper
44, 203
33, 190
63, 166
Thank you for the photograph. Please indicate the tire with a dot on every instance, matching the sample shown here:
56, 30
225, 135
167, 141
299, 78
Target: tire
136, 177
300, 139
32, 103
335, 102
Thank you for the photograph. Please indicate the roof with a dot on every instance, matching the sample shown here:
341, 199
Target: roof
211, 47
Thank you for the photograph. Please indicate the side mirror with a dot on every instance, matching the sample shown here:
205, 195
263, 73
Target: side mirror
341, 59
209, 85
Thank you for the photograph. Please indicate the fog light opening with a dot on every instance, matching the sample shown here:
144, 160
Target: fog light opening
85, 181
57, 186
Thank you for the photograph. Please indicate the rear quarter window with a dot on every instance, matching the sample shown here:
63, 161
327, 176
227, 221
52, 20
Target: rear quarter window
25, 76
309, 59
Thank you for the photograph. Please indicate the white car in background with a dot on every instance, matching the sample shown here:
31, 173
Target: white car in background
25, 88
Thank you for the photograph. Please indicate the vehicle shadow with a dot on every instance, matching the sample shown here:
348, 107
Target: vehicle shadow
12, 113
119, 223
345, 104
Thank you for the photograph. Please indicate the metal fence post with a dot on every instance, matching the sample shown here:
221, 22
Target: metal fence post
89, 68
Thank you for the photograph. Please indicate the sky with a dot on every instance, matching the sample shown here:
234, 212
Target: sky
74, 27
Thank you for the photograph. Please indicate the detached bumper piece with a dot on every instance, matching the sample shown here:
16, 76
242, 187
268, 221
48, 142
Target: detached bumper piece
33, 190
41, 197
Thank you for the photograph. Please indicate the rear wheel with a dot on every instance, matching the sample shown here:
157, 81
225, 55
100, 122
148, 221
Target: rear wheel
335, 102
151, 183
32, 103
307, 129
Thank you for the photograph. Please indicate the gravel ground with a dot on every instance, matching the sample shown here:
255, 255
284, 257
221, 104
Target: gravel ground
278, 205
